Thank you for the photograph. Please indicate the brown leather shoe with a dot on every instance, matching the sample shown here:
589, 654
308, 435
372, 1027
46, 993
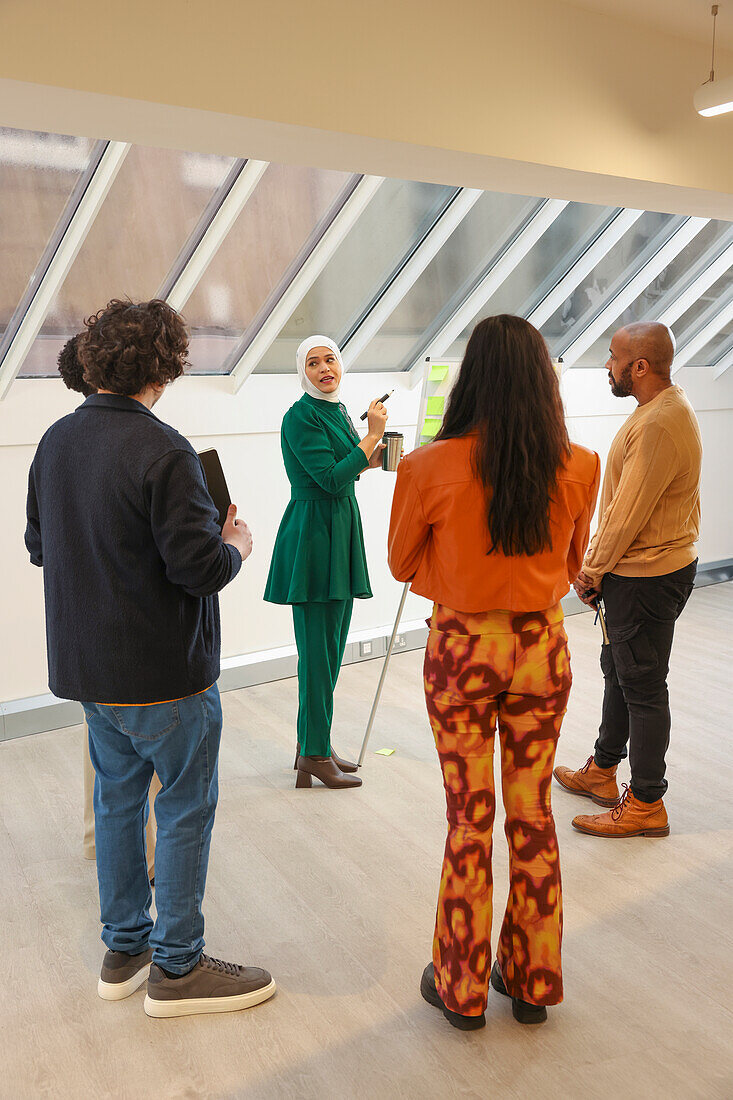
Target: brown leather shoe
325, 769
629, 817
344, 765
591, 782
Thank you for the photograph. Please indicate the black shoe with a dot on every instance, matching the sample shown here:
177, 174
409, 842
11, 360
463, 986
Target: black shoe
523, 1011
431, 995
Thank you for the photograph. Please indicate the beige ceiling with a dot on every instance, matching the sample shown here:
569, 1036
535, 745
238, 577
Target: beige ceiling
562, 98
685, 18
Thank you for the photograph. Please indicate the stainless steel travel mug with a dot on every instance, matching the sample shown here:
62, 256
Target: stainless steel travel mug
392, 453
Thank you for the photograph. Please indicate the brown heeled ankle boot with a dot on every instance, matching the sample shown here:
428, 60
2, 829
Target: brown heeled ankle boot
325, 769
344, 765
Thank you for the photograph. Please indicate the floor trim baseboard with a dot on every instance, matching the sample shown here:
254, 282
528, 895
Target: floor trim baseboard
44, 713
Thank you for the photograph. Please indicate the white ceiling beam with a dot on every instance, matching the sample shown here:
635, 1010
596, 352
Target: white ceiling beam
583, 266
512, 255
722, 318
352, 209
635, 286
709, 275
225, 217
79, 225
724, 363
400, 286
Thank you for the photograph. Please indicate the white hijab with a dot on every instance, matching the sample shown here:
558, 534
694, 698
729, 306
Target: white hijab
300, 360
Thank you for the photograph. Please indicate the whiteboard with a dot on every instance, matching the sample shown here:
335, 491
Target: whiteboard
438, 380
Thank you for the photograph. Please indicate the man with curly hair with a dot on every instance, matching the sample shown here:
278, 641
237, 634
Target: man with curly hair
72, 375
121, 521
71, 370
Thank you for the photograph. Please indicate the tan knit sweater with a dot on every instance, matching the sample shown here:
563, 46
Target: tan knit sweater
650, 501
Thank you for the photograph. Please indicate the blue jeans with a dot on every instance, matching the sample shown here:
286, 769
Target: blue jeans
179, 741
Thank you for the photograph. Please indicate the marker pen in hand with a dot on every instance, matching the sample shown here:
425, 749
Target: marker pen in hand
382, 399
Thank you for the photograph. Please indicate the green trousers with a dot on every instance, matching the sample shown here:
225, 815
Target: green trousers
320, 635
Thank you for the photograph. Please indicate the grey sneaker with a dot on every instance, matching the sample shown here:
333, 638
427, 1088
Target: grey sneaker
122, 974
212, 986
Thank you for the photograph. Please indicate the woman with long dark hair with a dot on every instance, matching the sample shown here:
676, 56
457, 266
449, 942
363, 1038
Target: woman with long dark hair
491, 522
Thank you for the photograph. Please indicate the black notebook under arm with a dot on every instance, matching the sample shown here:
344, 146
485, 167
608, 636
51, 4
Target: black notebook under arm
216, 483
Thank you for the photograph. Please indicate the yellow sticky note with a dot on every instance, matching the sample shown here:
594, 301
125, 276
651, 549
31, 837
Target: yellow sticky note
384, 752
438, 374
436, 406
431, 428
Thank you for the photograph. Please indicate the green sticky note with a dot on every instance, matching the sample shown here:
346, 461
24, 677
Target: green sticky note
431, 428
436, 406
438, 374
384, 752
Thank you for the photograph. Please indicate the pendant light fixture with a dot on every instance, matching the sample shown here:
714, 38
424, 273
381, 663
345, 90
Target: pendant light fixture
714, 97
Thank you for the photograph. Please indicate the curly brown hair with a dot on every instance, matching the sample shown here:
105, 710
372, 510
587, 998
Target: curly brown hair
129, 346
71, 370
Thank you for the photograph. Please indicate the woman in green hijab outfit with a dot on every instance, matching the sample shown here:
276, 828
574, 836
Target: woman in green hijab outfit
319, 563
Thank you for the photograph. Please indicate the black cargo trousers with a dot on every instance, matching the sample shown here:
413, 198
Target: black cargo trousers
641, 613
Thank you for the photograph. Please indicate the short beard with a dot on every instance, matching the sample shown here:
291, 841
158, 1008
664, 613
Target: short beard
624, 387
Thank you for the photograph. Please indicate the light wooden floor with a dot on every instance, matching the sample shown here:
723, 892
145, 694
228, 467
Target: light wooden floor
335, 893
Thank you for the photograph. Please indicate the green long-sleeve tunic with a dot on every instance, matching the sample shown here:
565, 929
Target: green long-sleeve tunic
319, 550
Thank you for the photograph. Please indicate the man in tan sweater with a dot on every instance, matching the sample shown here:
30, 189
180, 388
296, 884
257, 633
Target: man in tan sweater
642, 562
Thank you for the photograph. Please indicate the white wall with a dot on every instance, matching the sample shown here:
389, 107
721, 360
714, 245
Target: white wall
245, 429
594, 416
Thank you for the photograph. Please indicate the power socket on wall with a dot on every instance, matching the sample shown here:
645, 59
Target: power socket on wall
365, 649
400, 642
